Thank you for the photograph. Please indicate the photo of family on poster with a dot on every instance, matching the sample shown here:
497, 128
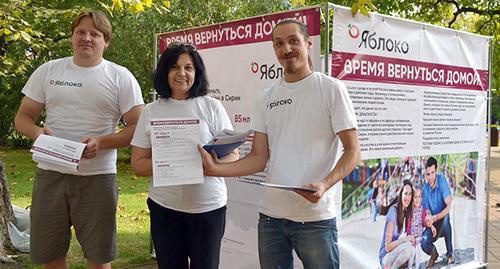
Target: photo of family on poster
412, 199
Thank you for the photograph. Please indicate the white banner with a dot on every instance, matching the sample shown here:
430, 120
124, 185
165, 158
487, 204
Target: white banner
418, 91
240, 62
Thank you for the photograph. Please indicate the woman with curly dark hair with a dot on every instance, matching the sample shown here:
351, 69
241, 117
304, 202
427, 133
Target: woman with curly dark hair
187, 221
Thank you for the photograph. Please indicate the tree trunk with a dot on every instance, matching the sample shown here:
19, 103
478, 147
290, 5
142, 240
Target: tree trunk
6, 215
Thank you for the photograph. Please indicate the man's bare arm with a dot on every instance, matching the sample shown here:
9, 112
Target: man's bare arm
26, 117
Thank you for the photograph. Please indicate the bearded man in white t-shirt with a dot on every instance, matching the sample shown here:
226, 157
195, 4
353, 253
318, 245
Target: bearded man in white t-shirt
299, 123
84, 97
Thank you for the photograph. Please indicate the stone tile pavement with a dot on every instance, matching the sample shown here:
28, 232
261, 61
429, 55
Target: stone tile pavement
494, 210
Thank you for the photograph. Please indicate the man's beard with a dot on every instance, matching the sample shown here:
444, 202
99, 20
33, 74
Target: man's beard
290, 69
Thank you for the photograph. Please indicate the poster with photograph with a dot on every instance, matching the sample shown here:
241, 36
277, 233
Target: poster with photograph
419, 91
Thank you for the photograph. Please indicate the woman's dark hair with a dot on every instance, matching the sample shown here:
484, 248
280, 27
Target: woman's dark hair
168, 59
404, 214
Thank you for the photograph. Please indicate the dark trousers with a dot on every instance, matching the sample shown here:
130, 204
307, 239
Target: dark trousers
178, 236
443, 228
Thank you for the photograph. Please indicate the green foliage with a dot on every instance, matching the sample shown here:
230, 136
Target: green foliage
495, 107
30, 34
363, 7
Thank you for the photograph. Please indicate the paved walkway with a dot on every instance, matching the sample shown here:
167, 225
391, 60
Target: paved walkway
493, 211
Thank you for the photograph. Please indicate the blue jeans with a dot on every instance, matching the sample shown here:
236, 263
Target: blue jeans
373, 210
443, 228
314, 242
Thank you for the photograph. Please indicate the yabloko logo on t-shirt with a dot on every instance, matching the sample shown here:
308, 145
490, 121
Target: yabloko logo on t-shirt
65, 83
277, 103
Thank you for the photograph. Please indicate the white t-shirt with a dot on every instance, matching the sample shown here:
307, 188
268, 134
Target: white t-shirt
193, 198
84, 101
301, 120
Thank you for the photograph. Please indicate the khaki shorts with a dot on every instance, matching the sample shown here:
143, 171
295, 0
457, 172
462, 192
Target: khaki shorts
86, 202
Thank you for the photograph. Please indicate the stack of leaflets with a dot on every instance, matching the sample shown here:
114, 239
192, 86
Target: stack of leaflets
62, 154
226, 141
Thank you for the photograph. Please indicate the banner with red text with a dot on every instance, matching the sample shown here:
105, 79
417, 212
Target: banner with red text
240, 62
419, 91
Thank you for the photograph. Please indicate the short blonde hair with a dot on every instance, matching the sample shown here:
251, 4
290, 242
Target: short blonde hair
100, 21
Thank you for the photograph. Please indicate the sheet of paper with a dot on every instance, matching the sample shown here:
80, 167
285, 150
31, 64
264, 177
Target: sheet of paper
62, 154
175, 156
278, 186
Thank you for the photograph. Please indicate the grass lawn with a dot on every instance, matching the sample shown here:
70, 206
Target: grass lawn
132, 214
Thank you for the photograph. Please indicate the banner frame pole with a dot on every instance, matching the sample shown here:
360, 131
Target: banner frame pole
155, 62
152, 93
327, 36
487, 187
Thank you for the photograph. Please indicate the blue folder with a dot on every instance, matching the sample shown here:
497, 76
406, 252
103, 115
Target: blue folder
222, 149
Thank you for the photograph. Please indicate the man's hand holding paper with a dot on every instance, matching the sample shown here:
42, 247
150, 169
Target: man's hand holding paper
64, 155
45, 131
313, 197
91, 148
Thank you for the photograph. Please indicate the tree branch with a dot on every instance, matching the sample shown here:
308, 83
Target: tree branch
461, 10
3, 45
484, 24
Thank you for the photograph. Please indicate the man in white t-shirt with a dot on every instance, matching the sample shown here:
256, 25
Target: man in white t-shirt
83, 97
297, 122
